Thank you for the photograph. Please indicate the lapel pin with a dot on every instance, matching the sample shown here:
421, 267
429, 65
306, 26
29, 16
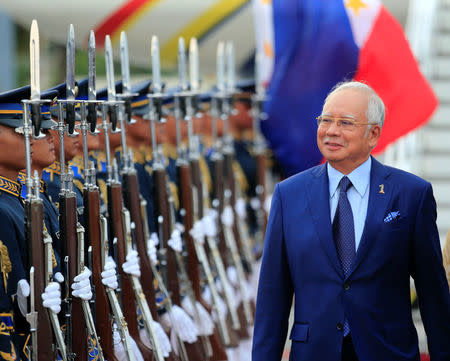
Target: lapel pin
381, 189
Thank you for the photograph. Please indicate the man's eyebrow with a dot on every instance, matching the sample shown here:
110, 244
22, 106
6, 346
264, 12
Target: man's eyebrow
345, 116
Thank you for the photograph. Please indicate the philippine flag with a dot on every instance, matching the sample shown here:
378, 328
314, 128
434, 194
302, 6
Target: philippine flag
318, 43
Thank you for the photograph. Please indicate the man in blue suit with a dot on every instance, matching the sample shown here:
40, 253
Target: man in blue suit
344, 238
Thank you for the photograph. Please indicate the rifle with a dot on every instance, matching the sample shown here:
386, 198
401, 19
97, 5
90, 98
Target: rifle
259, 115
115, 207
184, 109
92, 224
119, 319
220, 250
39, 254
188, 351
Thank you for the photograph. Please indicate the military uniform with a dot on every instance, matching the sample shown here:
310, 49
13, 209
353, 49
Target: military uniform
14, 262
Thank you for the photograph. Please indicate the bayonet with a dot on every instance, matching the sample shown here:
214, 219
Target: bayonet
35, 80
182, 64
194, 77
126, 83
111, 88
70, 80
156, 68
92, 90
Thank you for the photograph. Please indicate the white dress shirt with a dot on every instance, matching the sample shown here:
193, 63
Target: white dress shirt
357, 194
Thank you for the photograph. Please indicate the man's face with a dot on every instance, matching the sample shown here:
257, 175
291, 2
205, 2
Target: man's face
43, 151
140, 130
346, 149
72, 145
12, 156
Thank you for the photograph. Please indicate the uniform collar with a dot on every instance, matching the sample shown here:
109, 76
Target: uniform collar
359, 177
22, 179
9, 186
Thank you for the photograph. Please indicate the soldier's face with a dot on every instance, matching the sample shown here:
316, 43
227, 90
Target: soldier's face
140, 130
43, 151
94, 141
346, 149
72, 145
12, 156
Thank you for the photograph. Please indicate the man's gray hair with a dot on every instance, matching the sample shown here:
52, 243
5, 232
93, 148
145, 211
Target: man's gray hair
375, 108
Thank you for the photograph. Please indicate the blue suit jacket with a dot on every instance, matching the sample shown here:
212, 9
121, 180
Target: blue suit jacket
300, 258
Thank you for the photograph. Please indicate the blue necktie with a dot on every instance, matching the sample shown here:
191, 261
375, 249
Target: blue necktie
344, 233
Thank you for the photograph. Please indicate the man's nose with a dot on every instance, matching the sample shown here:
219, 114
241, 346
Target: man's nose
333, 129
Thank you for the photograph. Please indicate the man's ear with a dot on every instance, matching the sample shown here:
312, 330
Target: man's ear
374, 135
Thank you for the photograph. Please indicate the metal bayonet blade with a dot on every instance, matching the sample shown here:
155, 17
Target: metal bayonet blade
34, 61
125, 63
109, 69
156, 68
220, 64
230, 67
194, 76
70, 64
92, 91
182, 64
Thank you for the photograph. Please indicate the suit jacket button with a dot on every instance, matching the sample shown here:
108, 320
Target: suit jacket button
339, 326
346, 286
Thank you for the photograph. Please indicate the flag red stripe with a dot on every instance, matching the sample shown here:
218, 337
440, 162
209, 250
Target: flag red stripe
387, 64
117, 18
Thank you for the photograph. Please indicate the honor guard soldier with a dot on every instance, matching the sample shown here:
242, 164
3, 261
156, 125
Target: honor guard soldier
72, 146
14, 288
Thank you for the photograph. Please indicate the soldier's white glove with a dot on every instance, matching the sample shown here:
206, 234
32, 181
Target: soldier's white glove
241, 208
227, 216
151, 247
232, 276
209, 225
23, 291
255, 203
81, 286
197, 232
163, 339
52, 297
223, 309
131, 266
109, 275
58, 277
205, 323
175, 241
184, 326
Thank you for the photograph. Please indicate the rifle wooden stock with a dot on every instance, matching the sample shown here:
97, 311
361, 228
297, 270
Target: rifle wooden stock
128, 303
34, 221
261, 183
196, 177
194, 350
218, 194
132, 203
186, 184
162, 209
218, 177
76, 325
102, 309
185, 190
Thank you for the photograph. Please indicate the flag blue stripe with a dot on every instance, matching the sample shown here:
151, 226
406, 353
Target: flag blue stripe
314, 50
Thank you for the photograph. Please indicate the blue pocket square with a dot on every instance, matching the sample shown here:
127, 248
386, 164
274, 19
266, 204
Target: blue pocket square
392, 216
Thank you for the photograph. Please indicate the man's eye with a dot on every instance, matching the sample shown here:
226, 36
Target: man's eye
347, 123
326, 120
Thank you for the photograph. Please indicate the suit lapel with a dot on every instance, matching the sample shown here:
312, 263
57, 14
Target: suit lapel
379, 197
319, 206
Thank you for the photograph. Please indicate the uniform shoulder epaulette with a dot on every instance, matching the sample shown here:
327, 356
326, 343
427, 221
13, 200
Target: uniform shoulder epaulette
9, 186
138, 156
